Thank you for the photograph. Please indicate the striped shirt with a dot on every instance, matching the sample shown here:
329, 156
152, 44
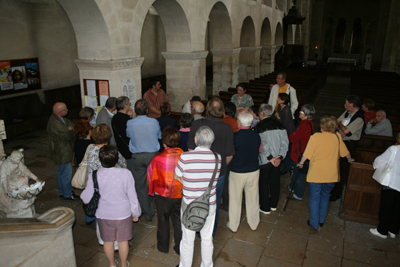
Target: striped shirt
196, 169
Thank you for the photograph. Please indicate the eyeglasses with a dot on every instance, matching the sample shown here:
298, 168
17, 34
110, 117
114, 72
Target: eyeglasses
302, 112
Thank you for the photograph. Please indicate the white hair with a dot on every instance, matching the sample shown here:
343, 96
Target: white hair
245, 118
205, 137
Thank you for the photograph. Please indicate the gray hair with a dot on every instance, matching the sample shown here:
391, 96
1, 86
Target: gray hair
110, 103
197, 108
245, 118
121, 102
309, 111
266, 110
383, 112
205, 137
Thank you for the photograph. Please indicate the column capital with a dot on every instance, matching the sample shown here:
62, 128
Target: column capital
268, 46
110, 65
233, 51
250, 49
185, 55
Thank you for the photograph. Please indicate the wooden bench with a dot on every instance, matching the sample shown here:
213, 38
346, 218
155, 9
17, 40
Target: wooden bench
23, 114
363, 194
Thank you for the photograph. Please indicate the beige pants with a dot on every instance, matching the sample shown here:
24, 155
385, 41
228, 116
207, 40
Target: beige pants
248, 182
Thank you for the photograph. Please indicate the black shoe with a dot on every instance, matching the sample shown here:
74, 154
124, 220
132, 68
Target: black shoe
283, 173
333, 198
61, 196
89, 223
321, 224
72, 197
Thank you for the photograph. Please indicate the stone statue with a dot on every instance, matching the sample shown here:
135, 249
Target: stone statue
16, 196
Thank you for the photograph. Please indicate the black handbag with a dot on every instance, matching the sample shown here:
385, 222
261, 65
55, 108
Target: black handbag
91, 207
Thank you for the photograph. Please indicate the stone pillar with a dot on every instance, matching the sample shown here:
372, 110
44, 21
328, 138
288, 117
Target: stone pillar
225, 69
267, 59
186, 77
249, 63
114, 71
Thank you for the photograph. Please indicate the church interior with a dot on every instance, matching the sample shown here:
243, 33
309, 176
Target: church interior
76, 51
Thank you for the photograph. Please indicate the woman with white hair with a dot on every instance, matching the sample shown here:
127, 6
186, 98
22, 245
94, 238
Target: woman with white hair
244, 174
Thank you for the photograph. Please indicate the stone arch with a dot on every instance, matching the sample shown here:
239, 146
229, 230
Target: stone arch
92, 34
248, 33
289, 34
356, 37
279, 34
339, 36
297, 36
176, 25
266, 32
220, 27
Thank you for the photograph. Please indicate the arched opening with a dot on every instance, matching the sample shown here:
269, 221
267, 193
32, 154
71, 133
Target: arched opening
266, 33
339, 36
278, 35
289, 34
247, 53
355, 43
220, 59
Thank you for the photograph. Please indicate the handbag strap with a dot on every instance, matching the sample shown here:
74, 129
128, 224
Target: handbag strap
115, 128
95, 184
215, 171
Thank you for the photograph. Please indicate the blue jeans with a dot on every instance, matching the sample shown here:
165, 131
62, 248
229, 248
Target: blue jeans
220, 189
318, 201
298, 187
64, 175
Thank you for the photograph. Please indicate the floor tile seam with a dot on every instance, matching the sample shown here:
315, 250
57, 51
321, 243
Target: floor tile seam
148, 257
323, 252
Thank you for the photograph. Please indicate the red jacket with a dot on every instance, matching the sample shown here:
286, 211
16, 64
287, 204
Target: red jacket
303, 133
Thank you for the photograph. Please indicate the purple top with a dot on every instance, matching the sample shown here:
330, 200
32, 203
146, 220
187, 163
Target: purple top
118, 198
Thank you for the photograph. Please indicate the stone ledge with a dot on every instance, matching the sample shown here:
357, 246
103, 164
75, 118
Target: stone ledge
250, 49
110, 65
226, 51
185, 56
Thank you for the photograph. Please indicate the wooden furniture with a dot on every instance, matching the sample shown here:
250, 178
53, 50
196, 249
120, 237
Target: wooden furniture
363, 194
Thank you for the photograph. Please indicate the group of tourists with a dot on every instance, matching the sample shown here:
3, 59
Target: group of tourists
150, 158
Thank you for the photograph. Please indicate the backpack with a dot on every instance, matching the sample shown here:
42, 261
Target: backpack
195, 215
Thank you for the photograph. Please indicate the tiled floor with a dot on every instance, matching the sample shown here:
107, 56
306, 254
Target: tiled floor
282, 238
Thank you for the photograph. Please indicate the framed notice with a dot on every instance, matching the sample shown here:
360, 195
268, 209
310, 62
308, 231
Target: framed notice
98, 90
19, 75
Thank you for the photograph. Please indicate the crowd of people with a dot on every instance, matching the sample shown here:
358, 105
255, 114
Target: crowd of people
149, 159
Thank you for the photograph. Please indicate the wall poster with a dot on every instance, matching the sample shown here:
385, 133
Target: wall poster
19, 75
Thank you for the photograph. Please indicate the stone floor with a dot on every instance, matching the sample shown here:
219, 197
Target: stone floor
282, 238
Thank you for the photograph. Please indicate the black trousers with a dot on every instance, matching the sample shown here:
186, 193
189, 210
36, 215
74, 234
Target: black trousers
389, 212
166, 208
269, 184
344, 168
225, 193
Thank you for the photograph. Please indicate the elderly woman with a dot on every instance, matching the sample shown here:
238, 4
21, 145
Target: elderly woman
82, 140
186, 122
299, 140
166, 190
244, 174
254, 111
242, 100
229, 114
323, 150
389, 210
118, 205
369, 113
101, 135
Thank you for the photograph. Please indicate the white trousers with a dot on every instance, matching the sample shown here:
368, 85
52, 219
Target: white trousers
207, 247
248, 182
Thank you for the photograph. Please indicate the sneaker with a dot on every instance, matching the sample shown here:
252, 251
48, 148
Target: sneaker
273, 209
296, 197
392, 235
374, 231
289, 188
265, 212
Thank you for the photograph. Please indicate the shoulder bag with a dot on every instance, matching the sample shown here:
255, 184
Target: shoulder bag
196, 213
91, 207
383, 174
81, 175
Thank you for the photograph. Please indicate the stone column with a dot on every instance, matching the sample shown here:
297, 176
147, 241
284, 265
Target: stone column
186, 77
267, 59
249, 63
225, 69
114, 71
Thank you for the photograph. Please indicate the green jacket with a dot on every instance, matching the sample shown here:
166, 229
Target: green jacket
61, 139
